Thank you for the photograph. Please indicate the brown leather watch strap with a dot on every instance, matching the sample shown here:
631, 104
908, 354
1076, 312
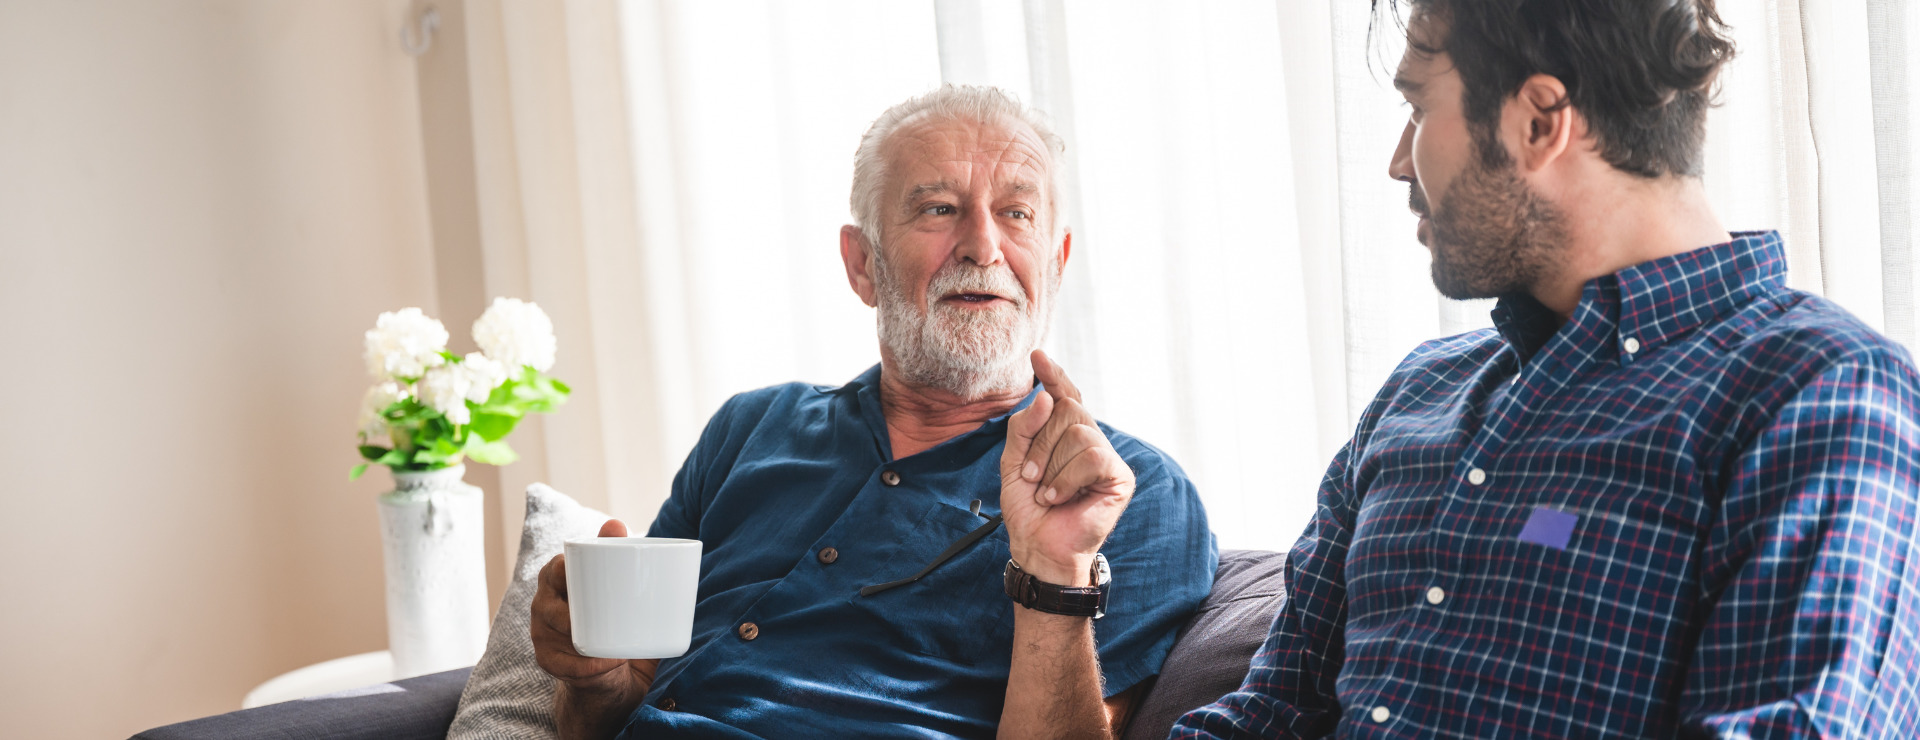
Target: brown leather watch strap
1072, 601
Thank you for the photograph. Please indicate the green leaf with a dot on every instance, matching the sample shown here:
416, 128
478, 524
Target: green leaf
394, 458
491, 425
491, 453
435, 457
358, 470
443, 446
371, 452
562, 387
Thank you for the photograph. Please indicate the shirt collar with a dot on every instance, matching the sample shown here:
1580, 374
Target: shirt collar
864, 389
1654, 302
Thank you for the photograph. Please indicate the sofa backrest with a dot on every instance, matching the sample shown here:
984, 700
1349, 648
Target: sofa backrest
1210, 658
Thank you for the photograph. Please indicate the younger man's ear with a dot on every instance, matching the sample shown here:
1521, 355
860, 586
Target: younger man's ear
1540, 122
857, 255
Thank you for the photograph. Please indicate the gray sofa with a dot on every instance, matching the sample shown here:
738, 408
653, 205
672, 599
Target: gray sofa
1209, 660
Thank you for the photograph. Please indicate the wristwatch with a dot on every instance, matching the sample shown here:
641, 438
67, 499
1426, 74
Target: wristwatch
1072, 601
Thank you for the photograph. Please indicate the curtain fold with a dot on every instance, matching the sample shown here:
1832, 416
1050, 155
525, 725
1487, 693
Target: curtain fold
1890, 30
1244, 273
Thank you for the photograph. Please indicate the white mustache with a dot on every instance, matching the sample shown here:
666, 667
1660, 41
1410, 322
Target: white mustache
972, 279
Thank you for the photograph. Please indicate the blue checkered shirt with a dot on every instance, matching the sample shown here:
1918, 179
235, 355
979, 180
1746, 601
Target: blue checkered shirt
1688, 512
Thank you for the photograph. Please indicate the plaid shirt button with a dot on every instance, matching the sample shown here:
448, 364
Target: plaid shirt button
1476, 476
1436, 595
1380, 714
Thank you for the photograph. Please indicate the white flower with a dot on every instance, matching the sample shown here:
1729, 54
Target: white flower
444, 389
404, 343
373, 423
484, 374
516, 333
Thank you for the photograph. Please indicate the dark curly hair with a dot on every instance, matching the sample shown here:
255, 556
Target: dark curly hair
1640, 71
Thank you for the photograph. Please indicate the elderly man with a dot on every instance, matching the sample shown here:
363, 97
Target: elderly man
854, 581
1668, 497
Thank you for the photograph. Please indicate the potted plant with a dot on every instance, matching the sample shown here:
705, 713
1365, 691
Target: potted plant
427, 413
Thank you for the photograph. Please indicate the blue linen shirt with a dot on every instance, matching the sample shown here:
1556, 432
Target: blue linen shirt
783, 474
1688, 512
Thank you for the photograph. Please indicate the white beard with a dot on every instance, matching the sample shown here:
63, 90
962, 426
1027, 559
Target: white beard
969, 353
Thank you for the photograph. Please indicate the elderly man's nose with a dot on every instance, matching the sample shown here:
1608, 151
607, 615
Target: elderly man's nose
1401, 167
980, 239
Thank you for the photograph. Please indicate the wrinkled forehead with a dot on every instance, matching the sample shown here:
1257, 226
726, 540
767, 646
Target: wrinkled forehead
1009, 153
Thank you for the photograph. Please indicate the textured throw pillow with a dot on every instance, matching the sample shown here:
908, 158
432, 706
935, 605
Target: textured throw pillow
509, 697
1211, 657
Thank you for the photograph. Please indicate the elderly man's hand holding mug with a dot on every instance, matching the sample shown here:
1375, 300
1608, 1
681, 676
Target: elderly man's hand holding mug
602, 626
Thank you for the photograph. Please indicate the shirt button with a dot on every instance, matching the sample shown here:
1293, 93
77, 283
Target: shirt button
827, 555
1476, 476
749, 631
1632, 345
1380, 714
667, 704
890, 478
1436, 595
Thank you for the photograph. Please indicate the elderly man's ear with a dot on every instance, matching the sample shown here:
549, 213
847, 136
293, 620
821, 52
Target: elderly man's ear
856, 254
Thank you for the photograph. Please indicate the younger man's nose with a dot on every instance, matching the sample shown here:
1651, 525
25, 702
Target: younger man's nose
1401, 167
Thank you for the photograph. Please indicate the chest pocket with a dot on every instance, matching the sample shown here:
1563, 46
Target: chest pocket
959, 611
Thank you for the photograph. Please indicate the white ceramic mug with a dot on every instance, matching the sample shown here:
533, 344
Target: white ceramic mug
632, 597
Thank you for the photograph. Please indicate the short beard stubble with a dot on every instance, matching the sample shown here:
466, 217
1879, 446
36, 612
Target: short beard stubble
1492, 235
967, 353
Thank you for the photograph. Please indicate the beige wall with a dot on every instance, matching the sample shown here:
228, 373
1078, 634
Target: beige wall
203, 203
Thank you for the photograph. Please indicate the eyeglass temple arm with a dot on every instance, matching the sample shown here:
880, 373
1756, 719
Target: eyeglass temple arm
963, 543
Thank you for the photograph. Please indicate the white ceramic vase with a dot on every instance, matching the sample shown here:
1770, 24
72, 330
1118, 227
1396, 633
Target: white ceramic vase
431, 531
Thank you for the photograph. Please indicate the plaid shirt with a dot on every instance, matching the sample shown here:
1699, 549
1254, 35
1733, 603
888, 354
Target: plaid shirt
1688, 512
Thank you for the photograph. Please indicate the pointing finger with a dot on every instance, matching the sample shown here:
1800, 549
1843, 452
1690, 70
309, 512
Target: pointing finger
1053, 377
1021, 429
1045, 443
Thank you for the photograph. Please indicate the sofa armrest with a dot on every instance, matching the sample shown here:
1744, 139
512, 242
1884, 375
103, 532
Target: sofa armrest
418, 708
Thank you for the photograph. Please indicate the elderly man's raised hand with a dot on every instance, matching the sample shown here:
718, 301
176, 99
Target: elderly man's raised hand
1062, 485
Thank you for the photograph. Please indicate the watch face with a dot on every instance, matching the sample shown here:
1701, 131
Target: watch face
1102, 575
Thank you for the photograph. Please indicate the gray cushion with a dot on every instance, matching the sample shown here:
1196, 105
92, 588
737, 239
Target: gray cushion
417, 708
1210, 659
509, 697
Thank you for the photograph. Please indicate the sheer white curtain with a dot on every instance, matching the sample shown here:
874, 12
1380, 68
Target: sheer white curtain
1244, 273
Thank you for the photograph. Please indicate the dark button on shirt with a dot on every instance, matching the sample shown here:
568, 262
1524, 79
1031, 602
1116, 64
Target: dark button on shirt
1706, 531
890, 478
828, 555
749, 631
667, 704
781, 473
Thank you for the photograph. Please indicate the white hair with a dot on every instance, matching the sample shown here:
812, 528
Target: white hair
948, 103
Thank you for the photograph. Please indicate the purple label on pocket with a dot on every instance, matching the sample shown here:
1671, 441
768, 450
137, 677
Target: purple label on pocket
1550, 527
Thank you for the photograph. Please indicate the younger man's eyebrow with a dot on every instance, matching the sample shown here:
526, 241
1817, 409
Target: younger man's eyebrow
1406, 85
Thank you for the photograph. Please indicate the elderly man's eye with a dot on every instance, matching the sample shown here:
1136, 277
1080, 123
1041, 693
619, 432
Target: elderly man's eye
1018, 214
939, 209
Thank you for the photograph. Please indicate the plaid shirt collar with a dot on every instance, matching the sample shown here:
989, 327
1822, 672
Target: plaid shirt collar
1651, 303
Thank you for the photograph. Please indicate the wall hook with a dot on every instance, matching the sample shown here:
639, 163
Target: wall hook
429, 22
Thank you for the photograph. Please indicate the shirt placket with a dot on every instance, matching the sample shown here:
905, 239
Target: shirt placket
1508, 403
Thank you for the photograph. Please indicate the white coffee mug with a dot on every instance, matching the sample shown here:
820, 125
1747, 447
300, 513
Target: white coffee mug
632, 597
